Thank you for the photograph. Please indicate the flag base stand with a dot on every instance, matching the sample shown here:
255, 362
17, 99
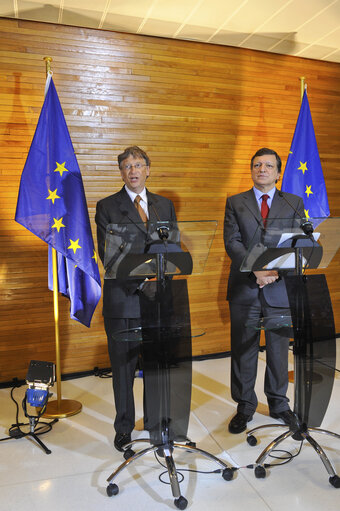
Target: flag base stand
62, 409
139, 425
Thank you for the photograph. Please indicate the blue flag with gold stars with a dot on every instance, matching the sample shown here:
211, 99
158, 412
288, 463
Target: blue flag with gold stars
52, 205
303, 174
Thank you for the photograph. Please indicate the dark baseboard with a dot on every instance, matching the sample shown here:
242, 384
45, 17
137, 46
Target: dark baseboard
101, 372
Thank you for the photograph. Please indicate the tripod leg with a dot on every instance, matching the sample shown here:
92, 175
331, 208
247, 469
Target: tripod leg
324, 432
172, 473
130, 460
227, 472
272, 446
327, 464
180, 501
33, 435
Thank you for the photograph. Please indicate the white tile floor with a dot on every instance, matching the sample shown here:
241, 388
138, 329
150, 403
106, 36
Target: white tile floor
74, 476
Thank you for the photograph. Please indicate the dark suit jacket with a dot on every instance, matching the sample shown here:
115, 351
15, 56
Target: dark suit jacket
241, 223
120, 299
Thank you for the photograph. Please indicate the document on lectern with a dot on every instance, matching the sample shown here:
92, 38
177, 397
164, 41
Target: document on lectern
287, 261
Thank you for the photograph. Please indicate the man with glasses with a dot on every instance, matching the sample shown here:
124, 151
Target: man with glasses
136, 205
257, 294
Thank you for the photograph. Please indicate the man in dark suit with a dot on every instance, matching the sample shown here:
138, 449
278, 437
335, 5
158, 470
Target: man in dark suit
257, 294
121, 309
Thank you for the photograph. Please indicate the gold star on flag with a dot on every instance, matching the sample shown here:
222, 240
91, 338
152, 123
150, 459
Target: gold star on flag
308, 190
307, 214
74, 245
303, 167
53, 195
95, 256
60, 168
58, 224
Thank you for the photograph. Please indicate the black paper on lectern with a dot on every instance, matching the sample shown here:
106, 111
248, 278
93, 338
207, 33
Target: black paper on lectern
311, 254
260, 255
181, 264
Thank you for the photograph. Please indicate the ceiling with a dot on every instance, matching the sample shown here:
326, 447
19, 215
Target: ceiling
304, 28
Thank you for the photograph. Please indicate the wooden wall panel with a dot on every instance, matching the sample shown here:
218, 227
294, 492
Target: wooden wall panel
200, 111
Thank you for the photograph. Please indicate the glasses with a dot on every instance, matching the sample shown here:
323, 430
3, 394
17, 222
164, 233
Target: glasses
267, 164
137, 166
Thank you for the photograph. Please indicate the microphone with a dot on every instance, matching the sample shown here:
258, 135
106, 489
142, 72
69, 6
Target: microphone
163, 232
306, 226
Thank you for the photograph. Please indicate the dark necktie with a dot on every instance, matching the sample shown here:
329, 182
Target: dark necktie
140, 210
264, 208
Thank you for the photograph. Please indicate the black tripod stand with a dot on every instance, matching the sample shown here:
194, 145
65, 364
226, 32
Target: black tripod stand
34, 421
16, 432
297, 432
165, 450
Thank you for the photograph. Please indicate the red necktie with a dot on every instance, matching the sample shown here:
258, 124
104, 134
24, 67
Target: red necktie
264, 208
140, 210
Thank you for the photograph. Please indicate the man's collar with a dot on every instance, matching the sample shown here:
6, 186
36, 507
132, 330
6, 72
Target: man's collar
133, 195
258, 193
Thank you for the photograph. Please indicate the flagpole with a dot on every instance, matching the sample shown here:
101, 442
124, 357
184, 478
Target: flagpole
59, 408
291, 377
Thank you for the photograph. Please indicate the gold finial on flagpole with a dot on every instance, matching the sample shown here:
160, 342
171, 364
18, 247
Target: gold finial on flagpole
302, 80
48, 61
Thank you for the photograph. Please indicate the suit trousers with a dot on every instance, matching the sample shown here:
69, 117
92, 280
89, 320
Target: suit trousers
245, 342
124, 358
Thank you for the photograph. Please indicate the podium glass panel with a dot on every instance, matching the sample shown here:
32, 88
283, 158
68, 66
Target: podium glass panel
125, 241
285, 236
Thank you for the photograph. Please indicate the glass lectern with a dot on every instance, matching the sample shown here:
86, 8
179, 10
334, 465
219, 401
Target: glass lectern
158, 261
292, 247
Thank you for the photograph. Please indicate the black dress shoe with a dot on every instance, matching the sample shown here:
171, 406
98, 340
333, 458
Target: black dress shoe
120, 440
287, 416
239, 423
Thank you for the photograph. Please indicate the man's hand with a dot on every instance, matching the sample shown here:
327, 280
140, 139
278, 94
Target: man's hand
265, 277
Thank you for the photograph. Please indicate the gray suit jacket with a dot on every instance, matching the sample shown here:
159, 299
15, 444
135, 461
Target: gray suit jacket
120, 298
242, 220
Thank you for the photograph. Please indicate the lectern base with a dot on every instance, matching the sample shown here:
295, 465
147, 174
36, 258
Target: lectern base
296, 434
166, 451
66, 408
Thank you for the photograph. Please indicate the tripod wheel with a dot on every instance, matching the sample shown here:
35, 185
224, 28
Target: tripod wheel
335, 481
191, 444
181, 502
227, 474
128, 454
112, 489
251, 440
260, 472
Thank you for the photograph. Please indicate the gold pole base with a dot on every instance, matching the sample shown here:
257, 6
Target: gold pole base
139, 425
67, 408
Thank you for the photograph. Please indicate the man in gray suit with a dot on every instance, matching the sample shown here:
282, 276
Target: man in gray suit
121, 309
257, 294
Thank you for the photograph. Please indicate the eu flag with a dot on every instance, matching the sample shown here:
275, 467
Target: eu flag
303, 173
52, 205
